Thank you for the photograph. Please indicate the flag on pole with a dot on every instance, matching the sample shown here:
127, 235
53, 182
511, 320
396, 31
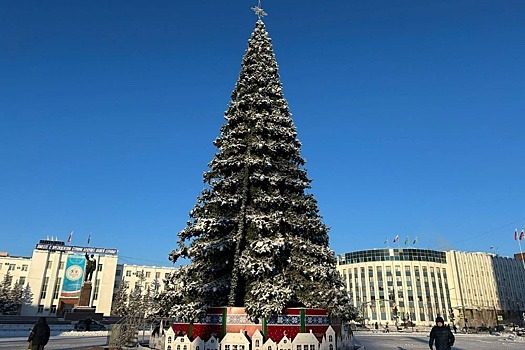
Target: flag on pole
407, 240
415, 241
522, 234
70, 237
396, 239
516, 234
89, 238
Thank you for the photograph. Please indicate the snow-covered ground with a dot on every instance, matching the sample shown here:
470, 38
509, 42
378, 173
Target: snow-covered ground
69, 339
60, 339
71, 333
63, 341
419, 341
16, 331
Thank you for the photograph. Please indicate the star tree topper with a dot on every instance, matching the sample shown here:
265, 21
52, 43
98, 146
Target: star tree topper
259, 11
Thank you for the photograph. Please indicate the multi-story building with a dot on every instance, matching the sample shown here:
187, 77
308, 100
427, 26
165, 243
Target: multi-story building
392, 285
15, 268
487, 288
54, 274
398, 285
135, 276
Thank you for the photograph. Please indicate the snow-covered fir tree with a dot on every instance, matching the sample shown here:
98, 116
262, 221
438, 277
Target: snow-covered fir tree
13, 297
255, 238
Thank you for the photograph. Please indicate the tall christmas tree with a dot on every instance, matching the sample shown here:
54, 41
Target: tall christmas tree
255, 237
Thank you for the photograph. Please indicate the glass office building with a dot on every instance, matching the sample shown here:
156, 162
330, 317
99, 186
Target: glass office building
397, 286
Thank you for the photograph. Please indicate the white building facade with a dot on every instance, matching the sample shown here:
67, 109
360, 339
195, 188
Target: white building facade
49, 274
411, 285
484, 286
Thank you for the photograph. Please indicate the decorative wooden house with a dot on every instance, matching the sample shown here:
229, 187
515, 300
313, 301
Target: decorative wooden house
212, 343
285, 343
230, 329
235, 341
305, 341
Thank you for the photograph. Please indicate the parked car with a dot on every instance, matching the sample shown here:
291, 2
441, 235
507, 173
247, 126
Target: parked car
483, 329
94, 326
499, 328
469, 330
408, 324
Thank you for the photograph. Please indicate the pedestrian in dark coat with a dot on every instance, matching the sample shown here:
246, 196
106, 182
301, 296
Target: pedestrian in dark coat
441, 336
39, 335
87, 323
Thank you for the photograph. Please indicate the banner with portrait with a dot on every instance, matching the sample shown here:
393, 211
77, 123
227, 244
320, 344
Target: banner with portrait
75, 266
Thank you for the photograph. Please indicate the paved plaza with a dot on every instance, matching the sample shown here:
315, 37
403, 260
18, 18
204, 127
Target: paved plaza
419, 341
367, 341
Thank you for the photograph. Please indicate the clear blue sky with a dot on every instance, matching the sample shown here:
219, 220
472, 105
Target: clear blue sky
411, 115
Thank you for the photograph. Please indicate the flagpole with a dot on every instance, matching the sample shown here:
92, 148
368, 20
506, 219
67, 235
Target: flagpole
521, 252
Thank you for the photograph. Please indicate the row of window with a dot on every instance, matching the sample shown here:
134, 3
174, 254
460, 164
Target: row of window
141, 274
12, 267
52, 310
393, 255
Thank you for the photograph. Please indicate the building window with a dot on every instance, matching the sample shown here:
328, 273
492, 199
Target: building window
128, 273
331, 347
185, 347
298, 347
56, 290
99, 267
169, 340
330, 338
257, 343
312, 347
44, 288
157, 274
24, 267
61, 265
11, 267
40, 309
53, 309
226, 347
48, 266
97, 287
22, 281
118, 273
148, 274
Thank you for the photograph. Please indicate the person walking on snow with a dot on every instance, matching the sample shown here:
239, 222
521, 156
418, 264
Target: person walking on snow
39, 335
441, 336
